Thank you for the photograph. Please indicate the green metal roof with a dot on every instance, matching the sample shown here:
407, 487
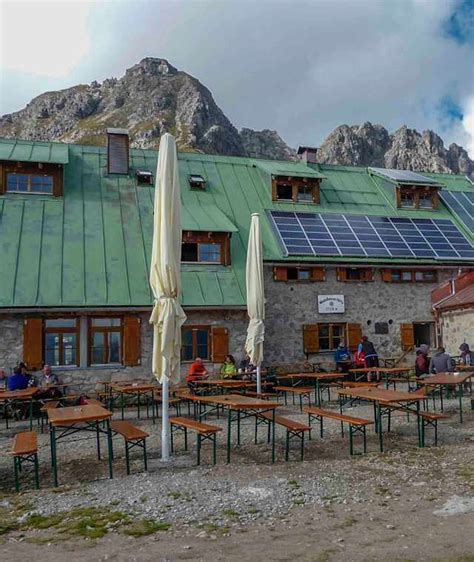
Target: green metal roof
34, 151
92, 247
290, 169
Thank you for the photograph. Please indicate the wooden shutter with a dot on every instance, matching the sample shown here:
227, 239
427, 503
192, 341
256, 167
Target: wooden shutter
341, 273
354, 335
131, 341
310, 338
220, 344
33, 342
280, 274
407, 335
318, 274
387, 275
369, 274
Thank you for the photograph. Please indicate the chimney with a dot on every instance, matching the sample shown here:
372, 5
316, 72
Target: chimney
307, 154
118, 147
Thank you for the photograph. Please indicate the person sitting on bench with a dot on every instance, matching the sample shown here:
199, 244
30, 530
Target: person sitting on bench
228, 369
196, 372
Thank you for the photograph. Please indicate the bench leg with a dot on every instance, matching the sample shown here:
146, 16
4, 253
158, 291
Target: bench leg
198, 449
256, 429
287, 449
145, 460
301, 402
17, 478
127, 457
351, 440
436, 432
97, 431
214, 448
172, 439
321, 426
365, 439
185, 438
302, 445
37, 485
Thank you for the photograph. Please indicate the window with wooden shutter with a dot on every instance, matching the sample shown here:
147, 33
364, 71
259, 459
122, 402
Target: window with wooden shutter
354, 336
131, 341
318, 274
220, 344
117, 151
341, 274
310, 338
407, 335
280, 273
358, 274
33, 342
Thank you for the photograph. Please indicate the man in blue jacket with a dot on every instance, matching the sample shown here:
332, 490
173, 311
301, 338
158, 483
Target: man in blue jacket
17, 380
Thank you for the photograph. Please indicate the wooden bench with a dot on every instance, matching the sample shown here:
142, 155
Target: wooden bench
261, 395
204, 432
294, 429
430, 419
172, 403
25, 449
301, 392
359, 384
94, 402
133, 436
49, 405
356, 425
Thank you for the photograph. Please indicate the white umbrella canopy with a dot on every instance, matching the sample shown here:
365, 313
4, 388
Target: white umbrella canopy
165, 276
255, 297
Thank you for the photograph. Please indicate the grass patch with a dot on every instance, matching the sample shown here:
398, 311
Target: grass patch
230, 513
86, 522
324, 555
294, 484
299, 501
145, 527
466, 472
175, 495
253, 511
216, 529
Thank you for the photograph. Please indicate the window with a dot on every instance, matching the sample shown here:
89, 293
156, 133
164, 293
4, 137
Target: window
330, 336
144, 177
196, 182
303, 190
105, 341
195, 342
410, 275
284, 191
299, 274
360, 274
117, 151
416, 197
61, 342
29, 183
206, 247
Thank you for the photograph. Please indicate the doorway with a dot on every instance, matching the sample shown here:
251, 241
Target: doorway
424, 332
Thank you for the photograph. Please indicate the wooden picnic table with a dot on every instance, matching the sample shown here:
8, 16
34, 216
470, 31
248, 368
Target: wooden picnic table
74, 419
317, 378
448, 380
384, 401
9, 397
136, 390
238, 408
386, 372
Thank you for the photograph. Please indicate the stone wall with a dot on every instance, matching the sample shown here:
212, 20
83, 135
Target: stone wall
457, 327
290, 305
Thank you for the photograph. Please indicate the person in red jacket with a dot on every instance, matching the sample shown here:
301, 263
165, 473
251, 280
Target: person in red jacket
196, 372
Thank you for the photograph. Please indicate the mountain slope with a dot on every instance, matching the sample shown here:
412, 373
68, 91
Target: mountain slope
407, 149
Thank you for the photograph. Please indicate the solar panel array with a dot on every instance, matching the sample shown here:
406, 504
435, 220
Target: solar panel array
462, 203
312, 234
405, 176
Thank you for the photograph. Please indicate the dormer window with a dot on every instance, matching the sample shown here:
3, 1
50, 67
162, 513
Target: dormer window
417, 197
295, 189
196, 182
28, 178
206, 247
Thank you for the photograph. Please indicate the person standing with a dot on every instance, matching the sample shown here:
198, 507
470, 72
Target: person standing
370, 356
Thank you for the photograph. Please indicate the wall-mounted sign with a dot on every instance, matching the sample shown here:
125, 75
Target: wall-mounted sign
381, 328
331, 304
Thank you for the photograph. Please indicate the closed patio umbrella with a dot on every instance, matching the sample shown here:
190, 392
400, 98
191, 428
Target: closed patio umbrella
165, 278
255, 297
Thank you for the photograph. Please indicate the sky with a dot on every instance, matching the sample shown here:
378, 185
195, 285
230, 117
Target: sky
295, 66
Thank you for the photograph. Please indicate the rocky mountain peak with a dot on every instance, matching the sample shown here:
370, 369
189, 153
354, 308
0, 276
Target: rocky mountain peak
151, 66
407, 149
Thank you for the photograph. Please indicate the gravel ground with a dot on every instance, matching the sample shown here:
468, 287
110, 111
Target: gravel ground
332, 503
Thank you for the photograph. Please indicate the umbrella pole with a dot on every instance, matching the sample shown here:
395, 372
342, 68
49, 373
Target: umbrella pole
165, 422
259, 380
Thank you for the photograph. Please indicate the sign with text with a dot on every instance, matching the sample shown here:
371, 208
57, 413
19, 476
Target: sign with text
331, 304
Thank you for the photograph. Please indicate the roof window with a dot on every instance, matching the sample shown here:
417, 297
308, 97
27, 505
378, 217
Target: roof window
196, 181
144, 177
118, 144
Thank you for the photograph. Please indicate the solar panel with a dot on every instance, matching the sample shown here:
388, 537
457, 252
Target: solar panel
461, 203
369, 236
403, 176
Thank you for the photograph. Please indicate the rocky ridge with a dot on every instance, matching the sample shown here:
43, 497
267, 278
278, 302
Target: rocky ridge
154, 97
406, 149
